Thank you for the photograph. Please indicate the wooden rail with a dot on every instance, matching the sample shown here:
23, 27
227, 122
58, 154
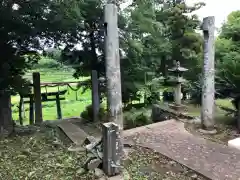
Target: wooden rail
64, 83
36, 98
45, 97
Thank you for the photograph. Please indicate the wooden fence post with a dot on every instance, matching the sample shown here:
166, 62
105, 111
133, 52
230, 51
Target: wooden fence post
58, 103
31, 110
21, 110
95, 95
37, 98
111, 149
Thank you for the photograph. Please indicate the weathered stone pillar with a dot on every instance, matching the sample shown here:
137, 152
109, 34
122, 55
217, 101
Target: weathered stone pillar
208, 87
113, 74
177, 94
6, 122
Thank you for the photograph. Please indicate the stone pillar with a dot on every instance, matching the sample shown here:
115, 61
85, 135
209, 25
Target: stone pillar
6, 122
208, 87
111, 156
113, 74
177, 94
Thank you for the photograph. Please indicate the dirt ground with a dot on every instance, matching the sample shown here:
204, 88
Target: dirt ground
144, 164
223, 135
43, 156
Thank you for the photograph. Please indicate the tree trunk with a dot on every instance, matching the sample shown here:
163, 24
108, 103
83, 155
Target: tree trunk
163, 67
94, 62
6, 123
208, 88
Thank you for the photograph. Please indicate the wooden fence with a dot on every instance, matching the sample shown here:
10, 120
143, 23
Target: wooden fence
36, 97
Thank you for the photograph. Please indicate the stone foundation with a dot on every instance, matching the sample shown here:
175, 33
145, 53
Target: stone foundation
234, 143
176, 107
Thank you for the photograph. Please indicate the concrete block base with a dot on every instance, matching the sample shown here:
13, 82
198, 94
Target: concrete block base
234, 143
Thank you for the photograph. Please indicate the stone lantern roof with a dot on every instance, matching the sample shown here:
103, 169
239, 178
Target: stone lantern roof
177, 73
178, 68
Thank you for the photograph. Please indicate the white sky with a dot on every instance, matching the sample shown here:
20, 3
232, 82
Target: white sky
218, 8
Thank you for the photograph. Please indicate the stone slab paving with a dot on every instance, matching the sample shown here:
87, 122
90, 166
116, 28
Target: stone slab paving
76, 134
217, 162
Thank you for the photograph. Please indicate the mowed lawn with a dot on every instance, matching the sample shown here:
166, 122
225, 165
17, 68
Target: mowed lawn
75, 101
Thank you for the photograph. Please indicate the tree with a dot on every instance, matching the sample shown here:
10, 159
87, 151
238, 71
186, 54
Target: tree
25, 27
147, 37
159, 33
228, 60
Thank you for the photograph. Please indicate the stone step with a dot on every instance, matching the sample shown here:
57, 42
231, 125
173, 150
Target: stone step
75, 134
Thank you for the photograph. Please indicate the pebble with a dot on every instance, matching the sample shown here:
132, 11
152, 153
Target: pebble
194, 176
98, 173
81, 171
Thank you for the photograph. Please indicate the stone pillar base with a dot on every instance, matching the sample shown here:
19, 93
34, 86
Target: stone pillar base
208, 132
234, 143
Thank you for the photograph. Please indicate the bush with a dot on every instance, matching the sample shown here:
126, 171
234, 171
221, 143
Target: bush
53, 53
48, 63
132, 118
168, 96
88, 113
135, 118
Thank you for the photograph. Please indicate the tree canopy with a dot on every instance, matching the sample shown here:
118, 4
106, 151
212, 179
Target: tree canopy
152, 35
26, 27
228, 56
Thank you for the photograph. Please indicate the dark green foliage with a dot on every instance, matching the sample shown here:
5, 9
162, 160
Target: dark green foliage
88, 114
150, 39
25, 27
136, 117
48, 63
228, 60
228, 57
53, 54
168, 96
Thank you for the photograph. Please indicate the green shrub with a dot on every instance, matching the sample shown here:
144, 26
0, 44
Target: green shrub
132, 118
88, 113
135, 118
48, 63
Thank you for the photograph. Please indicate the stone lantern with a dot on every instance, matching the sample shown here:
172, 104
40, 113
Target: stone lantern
178, 80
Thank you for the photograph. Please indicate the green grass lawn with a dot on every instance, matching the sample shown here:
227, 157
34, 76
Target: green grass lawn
74, 103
